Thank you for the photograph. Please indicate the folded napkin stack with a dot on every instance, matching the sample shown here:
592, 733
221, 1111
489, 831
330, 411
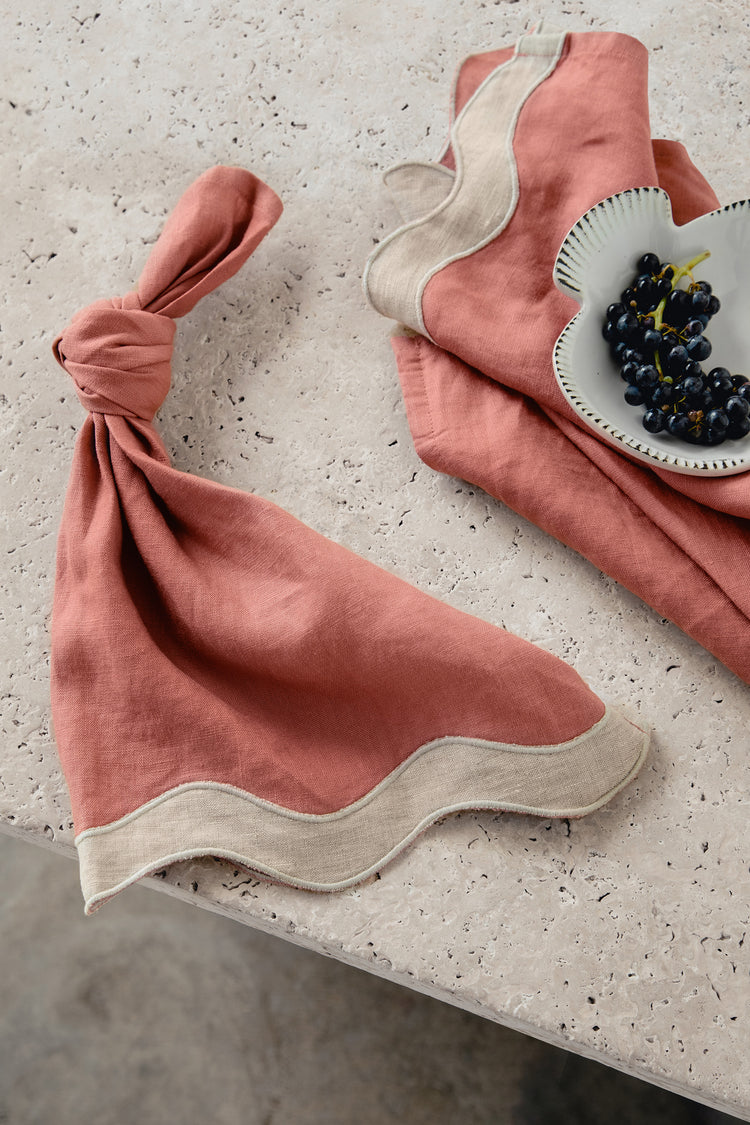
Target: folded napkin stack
542, 132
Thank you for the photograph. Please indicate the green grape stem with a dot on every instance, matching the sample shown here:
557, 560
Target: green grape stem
679, 273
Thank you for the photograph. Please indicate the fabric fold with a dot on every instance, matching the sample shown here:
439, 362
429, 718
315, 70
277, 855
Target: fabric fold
480, 391
228, 682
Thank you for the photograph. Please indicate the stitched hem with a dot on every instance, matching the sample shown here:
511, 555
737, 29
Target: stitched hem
411, 373
329, 852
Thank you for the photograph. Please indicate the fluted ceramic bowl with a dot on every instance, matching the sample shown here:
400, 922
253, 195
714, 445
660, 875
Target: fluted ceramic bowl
596, 262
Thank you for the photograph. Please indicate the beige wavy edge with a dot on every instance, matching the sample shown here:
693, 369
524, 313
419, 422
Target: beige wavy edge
332, 851
469, 216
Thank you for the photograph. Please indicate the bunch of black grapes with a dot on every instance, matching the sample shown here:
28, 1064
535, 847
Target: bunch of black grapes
656, 335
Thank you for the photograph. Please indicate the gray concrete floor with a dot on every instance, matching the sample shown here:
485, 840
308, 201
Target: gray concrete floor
153, 1011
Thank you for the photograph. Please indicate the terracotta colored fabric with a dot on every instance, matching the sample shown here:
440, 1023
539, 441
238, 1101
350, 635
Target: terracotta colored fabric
208, 646
481, 395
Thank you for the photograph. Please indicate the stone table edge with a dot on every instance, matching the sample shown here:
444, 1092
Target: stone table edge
378, 969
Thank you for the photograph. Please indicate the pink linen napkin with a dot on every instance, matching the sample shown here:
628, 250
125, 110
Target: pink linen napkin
228, 682
542, 132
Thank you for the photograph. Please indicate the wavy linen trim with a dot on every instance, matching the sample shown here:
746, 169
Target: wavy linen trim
327, 852
418, 187
469, 216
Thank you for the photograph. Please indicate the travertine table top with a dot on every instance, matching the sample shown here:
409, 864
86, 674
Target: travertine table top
621, 936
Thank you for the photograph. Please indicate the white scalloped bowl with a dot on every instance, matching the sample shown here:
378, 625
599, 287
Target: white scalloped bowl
596, 262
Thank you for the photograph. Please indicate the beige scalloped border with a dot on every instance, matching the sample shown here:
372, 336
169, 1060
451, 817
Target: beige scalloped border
331, 851
470, 216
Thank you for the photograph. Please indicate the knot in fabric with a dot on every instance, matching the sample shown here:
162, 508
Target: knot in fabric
119, 357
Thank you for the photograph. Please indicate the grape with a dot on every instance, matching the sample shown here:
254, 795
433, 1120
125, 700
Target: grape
676, 359
627, 326
739, 429
646, 296
736, 408
717, 421
678, 425
649, 264
698, 347
721, 385
678, 308
654, 421
614, 312
691, 387
663, 395
646, 376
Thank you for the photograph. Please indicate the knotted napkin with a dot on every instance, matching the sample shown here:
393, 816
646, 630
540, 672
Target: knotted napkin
228, 682
543, 131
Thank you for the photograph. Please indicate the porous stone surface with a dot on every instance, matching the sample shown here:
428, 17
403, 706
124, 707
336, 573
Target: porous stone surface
621, 936
183, 1017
